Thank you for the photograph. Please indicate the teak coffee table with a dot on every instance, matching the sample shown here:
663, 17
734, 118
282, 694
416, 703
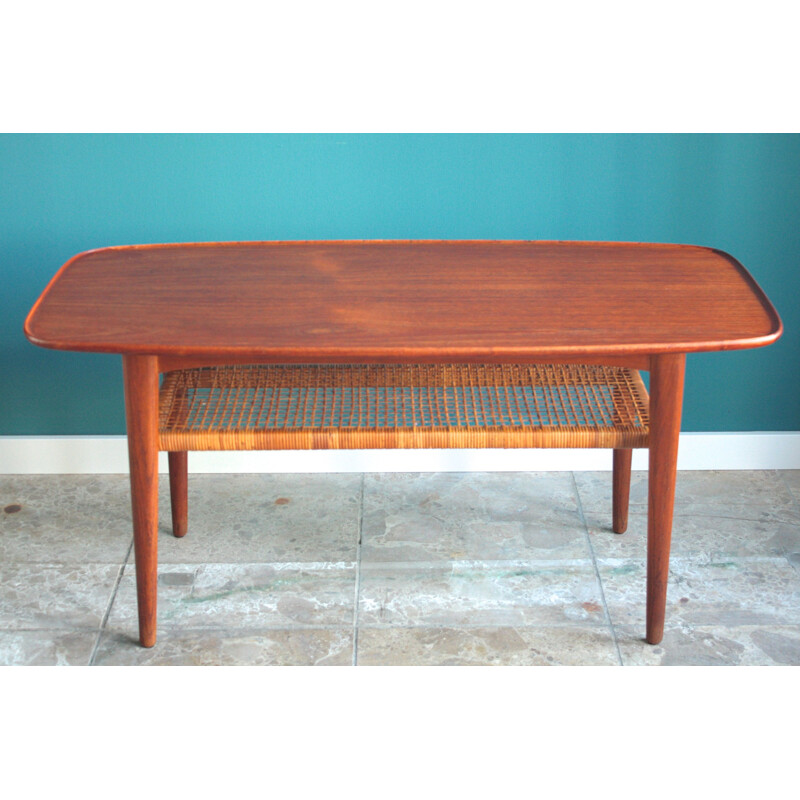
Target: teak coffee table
358, 344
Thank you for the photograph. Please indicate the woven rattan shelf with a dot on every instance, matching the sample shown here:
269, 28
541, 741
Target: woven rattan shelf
302, 407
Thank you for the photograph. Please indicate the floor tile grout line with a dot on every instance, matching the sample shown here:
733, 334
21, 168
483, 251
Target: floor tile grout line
289, 628
596, 570
104, 621
182, 628
358, 571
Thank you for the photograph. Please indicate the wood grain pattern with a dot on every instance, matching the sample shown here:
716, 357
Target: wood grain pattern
621, 482
666, 401
179, 491
140, 376
169, 363
414, 301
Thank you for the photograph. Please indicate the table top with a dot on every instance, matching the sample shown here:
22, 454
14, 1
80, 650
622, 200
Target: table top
402, 301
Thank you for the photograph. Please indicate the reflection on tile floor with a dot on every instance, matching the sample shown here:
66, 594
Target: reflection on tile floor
402, 569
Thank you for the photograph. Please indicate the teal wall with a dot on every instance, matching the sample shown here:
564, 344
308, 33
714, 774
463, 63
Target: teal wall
61, 194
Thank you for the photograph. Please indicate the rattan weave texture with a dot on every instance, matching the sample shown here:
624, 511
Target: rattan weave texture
301, 407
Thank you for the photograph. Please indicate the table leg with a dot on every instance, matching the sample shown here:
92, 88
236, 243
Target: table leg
666, 400
622, 489
140, 375
179, 491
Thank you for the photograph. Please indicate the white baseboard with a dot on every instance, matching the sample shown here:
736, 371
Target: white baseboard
34, 455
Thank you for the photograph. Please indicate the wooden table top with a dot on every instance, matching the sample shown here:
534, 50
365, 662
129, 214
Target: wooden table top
385, 301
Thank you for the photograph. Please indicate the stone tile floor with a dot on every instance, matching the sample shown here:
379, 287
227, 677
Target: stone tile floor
402, 569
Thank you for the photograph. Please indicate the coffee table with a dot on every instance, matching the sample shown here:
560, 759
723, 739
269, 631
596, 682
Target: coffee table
594, 313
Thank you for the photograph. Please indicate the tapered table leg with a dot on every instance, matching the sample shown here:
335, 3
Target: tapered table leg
140, 375
622, 489
666, 400
179, 491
